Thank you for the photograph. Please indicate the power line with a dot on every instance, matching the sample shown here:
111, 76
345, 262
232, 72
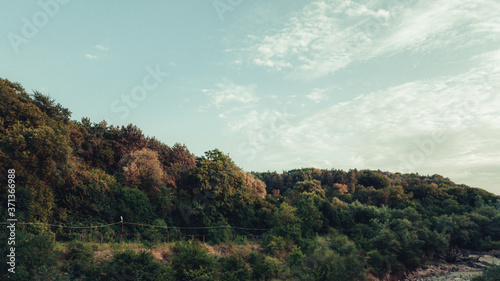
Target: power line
140, 224
244, 228
64, 226
197, 227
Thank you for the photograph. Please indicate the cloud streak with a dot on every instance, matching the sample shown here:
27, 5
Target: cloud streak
101, 47
230, 93
327, 36
318, 95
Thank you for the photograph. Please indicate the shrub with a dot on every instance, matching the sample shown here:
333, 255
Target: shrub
45, 273
264, 268
233, 268
296, 257
156, 234
79, 257
323, 263
378, 262
273, 244
192, 262
222, 234
129, 264
32, 254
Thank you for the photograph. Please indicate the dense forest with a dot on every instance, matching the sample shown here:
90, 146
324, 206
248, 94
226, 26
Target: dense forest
304, 224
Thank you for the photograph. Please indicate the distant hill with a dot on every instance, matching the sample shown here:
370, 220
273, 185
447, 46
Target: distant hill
80, 173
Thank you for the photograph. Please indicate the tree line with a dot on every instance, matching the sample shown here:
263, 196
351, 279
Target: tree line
316, 224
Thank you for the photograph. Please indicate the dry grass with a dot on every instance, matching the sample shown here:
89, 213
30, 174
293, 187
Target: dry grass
163, 251
230, 249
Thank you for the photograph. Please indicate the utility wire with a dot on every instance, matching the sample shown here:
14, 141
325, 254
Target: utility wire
197, 227
64, 226
140, 224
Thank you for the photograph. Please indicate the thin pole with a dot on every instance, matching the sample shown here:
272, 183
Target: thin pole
121, 237
101, 239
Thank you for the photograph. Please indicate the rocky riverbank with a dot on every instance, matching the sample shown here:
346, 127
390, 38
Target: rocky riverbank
464, 267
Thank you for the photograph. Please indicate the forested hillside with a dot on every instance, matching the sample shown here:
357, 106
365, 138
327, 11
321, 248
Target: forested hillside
309, 223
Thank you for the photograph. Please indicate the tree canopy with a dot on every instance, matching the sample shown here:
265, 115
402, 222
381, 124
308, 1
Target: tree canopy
316, 224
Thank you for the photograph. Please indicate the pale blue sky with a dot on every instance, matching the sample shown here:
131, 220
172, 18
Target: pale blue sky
280, 84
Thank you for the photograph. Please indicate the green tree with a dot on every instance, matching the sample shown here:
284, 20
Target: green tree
82, 184
286, 222
134, 206
373, 178
309, 215
217, 187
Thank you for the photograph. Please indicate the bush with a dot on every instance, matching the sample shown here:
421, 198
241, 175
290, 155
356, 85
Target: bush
33, 252
233, 268
134, 206
220, 232
44, 273
79, 257
273, 244
129, 265
192, 262
323, 263
156, 234
295, 258
378, 262
264, 268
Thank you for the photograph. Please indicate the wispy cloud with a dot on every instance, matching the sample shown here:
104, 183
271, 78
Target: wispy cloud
319, 39
327, 36
430, 25
254, 121
318, 95
90, 56
229, 92
101, 47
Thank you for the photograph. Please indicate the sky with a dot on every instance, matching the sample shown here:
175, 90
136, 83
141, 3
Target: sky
400, 86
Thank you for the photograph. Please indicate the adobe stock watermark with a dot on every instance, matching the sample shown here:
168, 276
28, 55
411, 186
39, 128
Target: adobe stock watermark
150, 82
223, 6
425, 148
11, 221
259, 139
31, 27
